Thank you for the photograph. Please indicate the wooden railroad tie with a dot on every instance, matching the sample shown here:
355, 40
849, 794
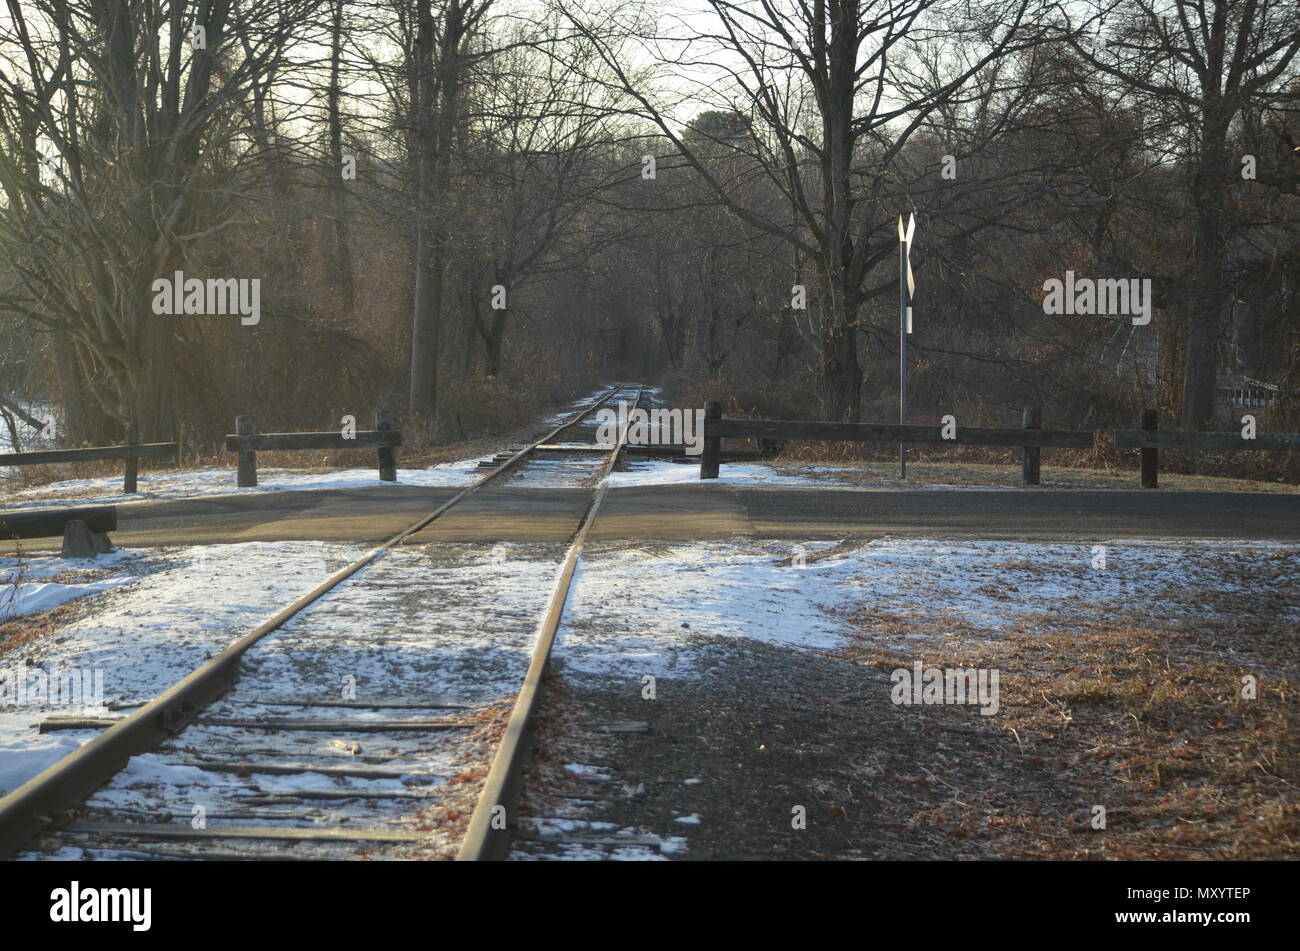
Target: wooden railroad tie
50, 724
159, 830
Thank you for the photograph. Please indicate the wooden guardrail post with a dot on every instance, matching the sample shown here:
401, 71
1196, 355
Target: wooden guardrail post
48, 523
711, 457
387, 454
1150, 457
1030, 471
132, 472
79, 541
247, 476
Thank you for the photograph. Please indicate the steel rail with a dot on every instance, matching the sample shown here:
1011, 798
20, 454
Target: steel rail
487, 838
34, 806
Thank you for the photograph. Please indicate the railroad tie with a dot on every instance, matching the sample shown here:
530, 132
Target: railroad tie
335, 726
162, 830
293, 769
50, 724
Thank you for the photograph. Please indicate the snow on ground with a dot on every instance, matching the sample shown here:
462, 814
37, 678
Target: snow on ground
409, 627
34, 597
186, 605
458, 622
21, 595
24, 752
583, 403
554, 832
462, 625
544, 473
43, 566
180, 608
454, 624
638, 611
192, 483
631, 609
658, 472
643, 472
538, 474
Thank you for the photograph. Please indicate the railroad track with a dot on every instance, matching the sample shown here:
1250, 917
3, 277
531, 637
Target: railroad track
235, 771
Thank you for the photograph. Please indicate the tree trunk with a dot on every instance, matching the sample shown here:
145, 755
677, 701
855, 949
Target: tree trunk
838, 54
341, 238
493, 343
424, 312
437, 106
154, 407
1209, 287
841, 374
424, 323
1200, 372
77, 425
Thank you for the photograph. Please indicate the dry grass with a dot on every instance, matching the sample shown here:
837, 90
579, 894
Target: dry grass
885, 475
27, 629
1144, 716
561, 738
446, 819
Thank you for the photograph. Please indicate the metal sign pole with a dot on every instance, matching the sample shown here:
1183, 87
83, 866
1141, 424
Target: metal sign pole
905, 287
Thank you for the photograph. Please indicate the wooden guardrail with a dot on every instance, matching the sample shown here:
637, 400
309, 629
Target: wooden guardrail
132, 452
84, 529
1031, 436
1150, 440
247, 441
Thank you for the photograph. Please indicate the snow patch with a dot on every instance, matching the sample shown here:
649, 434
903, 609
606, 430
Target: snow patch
645, 472
24, 753
33, 597
637, 611
194, 483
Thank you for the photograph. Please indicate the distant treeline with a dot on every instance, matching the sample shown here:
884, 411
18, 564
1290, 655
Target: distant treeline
462, 209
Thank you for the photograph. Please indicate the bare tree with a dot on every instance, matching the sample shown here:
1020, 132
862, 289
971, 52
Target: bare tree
832, 104
340, 233
535, 142
107, 114
1203, 64
440, 63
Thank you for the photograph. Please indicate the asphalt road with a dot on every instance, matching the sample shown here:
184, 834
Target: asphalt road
688, 512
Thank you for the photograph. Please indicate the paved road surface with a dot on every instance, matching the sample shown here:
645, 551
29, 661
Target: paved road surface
686, 512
